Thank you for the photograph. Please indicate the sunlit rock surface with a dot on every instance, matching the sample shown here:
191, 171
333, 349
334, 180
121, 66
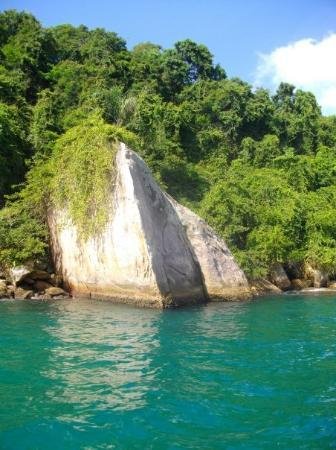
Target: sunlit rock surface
152, 252
279, 277
222, 277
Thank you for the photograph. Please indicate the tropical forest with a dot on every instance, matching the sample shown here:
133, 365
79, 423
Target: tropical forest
258, 166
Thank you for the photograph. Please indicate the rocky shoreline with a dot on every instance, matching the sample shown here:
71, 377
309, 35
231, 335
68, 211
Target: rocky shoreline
23, 283
152, 252
293, 277
27, 283
41, 282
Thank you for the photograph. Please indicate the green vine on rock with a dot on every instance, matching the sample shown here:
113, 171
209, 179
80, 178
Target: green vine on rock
78, 178
83, 167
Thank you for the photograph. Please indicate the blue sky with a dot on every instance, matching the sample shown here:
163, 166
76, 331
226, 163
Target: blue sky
235, 31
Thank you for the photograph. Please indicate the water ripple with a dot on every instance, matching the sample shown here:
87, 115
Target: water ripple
91, 375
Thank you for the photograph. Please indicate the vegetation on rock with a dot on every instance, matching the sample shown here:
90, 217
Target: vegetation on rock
82, 172
259, 168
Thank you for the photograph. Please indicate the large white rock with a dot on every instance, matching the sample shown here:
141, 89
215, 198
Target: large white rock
152, 251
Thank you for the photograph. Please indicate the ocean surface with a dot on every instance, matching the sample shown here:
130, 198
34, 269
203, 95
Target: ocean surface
94, 375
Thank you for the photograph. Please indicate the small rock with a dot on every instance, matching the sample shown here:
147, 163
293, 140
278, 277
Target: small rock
23, 293
4, 289
279, 277
18, 273
28, 281
41, 265
41, 285
4, 292
263, 286
297, 284
321, 279
56, 291
25, 286
27, 275
294, 270
39, 275
56, 280
11, 290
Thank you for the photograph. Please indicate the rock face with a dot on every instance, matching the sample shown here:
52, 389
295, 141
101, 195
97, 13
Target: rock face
18, 273
23, 294
279, 277
263, 286
3, 289
222, 278
318, 277
298, 284
152, 251
26, 282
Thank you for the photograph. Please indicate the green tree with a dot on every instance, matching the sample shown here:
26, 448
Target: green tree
28, 48
13, 149
260, 169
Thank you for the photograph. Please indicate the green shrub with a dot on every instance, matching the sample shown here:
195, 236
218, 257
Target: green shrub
78, 176
83, 171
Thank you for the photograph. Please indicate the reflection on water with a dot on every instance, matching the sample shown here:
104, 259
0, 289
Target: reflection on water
102, 356
227, 326
92, 375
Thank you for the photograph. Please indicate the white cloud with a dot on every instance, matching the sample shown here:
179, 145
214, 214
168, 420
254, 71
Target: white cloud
308, 64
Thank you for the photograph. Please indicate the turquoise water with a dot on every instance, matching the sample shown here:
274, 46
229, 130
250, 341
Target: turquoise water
93, 375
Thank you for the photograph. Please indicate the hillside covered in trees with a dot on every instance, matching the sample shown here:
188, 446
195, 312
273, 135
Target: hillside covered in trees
259, 168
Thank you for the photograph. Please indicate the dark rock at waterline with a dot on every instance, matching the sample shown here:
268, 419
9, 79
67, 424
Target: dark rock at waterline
56, 292
39, 275
3, 289
27, 280
294, 270
31, 282
11, 290
262, 286
279, 277
321, 279
16, 274
297, 284
41, 285
21, 293
27, 274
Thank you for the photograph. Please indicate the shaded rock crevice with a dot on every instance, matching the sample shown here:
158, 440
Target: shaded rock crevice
176, 272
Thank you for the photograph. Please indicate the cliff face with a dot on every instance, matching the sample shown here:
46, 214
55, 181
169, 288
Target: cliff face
152, 251
222, 277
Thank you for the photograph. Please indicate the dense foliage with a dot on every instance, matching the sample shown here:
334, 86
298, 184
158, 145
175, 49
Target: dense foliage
81, 172
260, 168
